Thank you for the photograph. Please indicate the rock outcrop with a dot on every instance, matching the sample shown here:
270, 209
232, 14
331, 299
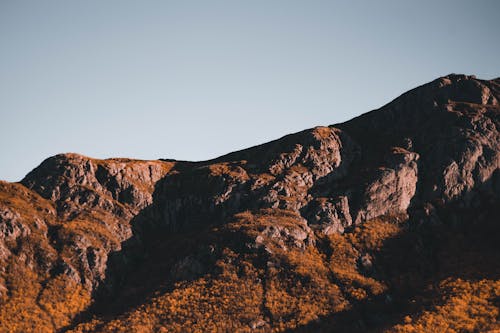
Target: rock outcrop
86, 208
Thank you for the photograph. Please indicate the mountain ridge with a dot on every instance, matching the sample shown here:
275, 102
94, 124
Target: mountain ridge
310, 231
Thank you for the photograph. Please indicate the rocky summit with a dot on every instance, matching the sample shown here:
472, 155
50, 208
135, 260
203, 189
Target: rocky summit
386, 223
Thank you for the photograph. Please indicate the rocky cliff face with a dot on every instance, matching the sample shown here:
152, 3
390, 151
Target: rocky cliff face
349, 173
288, 234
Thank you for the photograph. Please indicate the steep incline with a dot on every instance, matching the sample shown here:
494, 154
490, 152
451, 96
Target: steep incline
386, 223
57, 231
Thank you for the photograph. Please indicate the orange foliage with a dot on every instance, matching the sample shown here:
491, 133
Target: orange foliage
63, 298
465, 306
228, 169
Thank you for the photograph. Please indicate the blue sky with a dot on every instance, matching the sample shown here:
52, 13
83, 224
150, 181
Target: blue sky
196, 79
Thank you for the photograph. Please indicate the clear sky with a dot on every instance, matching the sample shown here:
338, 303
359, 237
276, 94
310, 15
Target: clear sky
196, 79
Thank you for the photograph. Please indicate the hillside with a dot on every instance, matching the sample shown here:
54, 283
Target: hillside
385, 223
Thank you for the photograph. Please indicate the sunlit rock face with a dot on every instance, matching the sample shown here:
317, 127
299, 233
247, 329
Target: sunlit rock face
336, 227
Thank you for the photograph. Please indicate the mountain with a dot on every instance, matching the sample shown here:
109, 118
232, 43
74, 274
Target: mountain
385, 223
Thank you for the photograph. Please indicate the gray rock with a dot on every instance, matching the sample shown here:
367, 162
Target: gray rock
298, 236
393, 187
11, 225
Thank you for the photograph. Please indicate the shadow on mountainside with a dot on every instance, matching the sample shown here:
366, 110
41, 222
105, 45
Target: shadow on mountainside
414, 264
143, 267
463, 244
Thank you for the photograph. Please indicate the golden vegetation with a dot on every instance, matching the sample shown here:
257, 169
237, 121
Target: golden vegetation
279, 287
31, 307
62, 299
202, 305
231, 170
464, 306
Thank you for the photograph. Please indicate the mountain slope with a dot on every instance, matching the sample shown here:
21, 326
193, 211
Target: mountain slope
385, 223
